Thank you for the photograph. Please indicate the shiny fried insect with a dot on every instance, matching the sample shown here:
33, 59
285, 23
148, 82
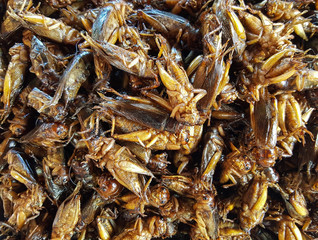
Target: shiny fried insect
67, 216
158, 119
47, 27
14, 77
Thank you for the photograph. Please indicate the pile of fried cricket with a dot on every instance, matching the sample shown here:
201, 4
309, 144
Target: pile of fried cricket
145, 120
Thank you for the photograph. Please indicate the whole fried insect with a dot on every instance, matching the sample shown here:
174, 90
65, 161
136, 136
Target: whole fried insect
171, 25
126, 60
47, 135
206, 217
156, 196
183, 97
118, 160
20, 168
56, 173
211, 154
254, 204
106, 224
74, 75
292, 118
212, 73
47, 27
236, 164
45, 64
144, 128
235, 31
14, 77
27, 206
67, 216
38, 99
264, 121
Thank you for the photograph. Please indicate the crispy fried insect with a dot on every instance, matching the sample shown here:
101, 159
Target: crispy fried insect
128, 61
46, 65
67, 216
236, 164
106, 224
264, 121
206, 217
254, 204
47, 27
73, 77
235, 31
39, 99
20, 168
211, 154
14, 77
183, 97
118, 160
171, 25
47, 135
108, 188
165, 134
212, 73
27, 206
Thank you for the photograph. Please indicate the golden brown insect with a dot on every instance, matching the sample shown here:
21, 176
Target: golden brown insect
67, 216
211, 154
27, 206
254, 204
73, 77
47, 27
264, 121
286, 11
212, 74
20, 168
236, 164
206, 217
37, 99
183, 97
156, 196
56, 173
170, 25
235, 31
47, 135
14, 77
108, 188
166, 134
106, 224
118, 160
123, 59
